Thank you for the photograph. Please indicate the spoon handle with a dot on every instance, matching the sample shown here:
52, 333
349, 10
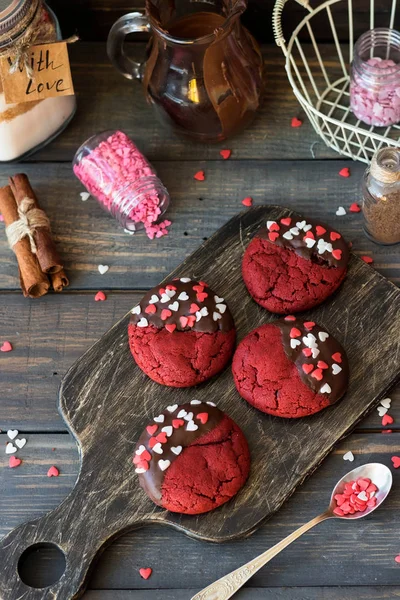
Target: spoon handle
228, 585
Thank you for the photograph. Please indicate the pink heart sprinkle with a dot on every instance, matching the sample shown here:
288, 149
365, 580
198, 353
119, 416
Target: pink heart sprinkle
199, 176
396, 461
345, 172
296, 122
6, 347
225, 154
53, 472
367, 259
100, 297
247, 201
14, 462
145, 573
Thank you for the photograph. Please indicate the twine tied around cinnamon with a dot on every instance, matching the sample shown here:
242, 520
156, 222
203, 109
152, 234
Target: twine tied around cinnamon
385, 165
30, 218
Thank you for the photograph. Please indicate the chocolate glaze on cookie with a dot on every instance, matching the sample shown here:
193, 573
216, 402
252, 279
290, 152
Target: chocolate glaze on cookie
183, 305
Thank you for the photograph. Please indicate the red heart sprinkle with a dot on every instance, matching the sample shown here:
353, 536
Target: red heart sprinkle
309, 236
345, 172
225, 154
183, 321
142, 464
307, 352
355, 207
247, 201
396, 461
198, 288
145, 573
286, 221
273, 236
307, 368
191, 321
317, 374
161, 437
387, 420
274, 227
203, 283
367, 259
200, 176
170, 287
309, 325
397, 558
202, 417
290, 318
176, 423
322, 365
294, 332
201, 297
100, 297
337, 357
14, 462
296, 122
320, 230
150, 309
151, 429
6, 347
152, 442
337, 254
161, 291
194, 308
53, 472
145, 456
170, 327
165, 313
335, 236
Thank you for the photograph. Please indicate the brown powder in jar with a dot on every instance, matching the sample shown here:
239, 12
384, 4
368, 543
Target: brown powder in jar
383, 218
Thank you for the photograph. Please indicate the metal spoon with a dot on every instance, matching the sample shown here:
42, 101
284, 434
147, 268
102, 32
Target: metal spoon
228, 585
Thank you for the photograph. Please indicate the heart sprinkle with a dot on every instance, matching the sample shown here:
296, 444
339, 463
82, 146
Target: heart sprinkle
176, 450
295, 122
202, 417
225, 154
307, 368
336, 369
170, 327
385, 402
145, 573
176, 423
382, 410
159, 419
100, 297
6, 347
183, 296
164, 464
326, 389
151, 429
158, 448
84, 196
387, 420
294, 332
320, 230
103, 269
367, 259
294, 343
20, 443
340, 211
345, 172
273, 236
143, 322
286, 221
323, 335
396, 461
136, 310
348, 456
194, 402
151, 309
172, 408
355, 208
53, 472
14, 462
12, 433
191, 426
10, 448
337, 357
356, 496
199, 176
247, 201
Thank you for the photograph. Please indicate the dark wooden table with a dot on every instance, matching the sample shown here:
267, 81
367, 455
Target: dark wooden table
273, 163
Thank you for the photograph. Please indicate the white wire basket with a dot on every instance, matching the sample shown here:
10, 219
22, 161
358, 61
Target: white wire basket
322, 88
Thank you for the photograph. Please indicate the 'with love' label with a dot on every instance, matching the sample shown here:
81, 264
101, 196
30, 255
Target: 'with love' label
51, 75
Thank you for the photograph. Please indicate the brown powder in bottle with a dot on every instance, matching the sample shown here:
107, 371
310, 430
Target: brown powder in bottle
383, 218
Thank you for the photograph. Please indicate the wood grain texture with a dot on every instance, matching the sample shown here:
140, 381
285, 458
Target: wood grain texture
99, 389
317, 593
325, 557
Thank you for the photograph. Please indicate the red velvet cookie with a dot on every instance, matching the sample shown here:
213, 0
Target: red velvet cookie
192, 458
181, 333
290, 368
294, 264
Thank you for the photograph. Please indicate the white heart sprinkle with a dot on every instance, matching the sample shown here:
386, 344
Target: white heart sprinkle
172, 408
211, 403
183, 296
136, 310
294, 343
129, 232
140, 450
158, 448
84, 196
321, 246
143, 322
269, 223
12, 433
165, 298
336, 369
170, 293
164, 464
287, 236
340, 211
382, 410
310, 341
221, 308
195, 402
307, 227
310, 242
362, 496
218, 300
174, 306
348, 456
10, 448
191, 426
386, 402
201, 313
185, 279
140, 470
154, 299
168, 430
326, 389
20, 443
314, 352
103, 269
300, 224
159, 419
328, 247
181, 413
216, 316
294, 231
188, 416
176, 450
323, 336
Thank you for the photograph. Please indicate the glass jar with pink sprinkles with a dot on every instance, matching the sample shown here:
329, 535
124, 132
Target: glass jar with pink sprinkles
116, 173
375, 78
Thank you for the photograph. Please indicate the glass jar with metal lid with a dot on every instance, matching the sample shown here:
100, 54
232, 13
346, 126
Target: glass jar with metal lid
27, 126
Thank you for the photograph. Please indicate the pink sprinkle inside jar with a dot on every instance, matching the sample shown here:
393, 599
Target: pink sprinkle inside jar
375, 78
116, 173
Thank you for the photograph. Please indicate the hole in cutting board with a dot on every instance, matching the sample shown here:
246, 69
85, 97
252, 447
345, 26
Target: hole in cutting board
41, 565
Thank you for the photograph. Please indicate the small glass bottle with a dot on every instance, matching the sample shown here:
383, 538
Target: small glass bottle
116, 173
375, 78
381, 201
27, 126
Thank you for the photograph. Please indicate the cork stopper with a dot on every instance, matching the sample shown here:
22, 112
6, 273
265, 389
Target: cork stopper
385, 165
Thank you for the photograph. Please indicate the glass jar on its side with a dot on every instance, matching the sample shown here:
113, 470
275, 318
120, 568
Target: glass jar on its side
375, 78
28, 126
381, 201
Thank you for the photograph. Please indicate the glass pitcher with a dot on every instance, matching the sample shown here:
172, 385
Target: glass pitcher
203, 73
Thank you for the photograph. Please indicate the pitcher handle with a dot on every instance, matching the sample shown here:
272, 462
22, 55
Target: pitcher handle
135, 22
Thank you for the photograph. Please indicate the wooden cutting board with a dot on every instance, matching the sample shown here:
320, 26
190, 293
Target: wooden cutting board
106, 401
